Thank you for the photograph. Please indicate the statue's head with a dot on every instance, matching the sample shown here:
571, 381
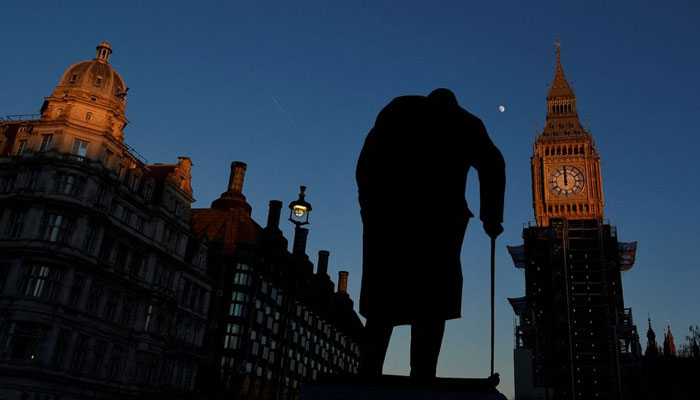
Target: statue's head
443, 96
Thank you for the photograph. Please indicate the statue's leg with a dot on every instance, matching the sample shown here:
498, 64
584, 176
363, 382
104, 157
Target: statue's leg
426, 339
374, 347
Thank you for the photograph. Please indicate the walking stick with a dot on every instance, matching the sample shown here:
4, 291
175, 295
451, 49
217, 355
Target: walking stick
493, 292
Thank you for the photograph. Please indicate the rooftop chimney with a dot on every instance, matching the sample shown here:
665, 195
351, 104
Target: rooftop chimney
273, 215
235, 180
323, 262
233, 197
343, 282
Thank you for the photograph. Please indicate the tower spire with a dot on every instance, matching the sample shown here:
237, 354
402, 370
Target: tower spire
560, 87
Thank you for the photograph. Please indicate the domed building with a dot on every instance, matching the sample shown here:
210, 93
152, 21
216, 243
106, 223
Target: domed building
103, 284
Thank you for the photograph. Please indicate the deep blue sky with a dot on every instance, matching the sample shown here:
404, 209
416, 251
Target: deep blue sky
291, 88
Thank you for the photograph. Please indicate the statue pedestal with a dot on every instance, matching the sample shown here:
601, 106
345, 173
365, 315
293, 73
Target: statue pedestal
401, 388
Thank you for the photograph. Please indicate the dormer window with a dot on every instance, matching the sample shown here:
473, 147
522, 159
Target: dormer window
74, 77
93, 98
98, 81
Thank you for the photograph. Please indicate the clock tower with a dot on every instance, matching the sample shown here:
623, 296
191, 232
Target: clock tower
566, 180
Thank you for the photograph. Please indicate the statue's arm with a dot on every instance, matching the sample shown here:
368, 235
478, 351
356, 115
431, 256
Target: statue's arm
491, 167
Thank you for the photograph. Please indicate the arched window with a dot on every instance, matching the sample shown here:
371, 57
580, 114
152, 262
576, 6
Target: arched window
580, 150
550, 209
546, 151
575, 150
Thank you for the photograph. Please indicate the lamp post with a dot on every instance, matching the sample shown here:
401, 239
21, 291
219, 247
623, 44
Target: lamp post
299, 211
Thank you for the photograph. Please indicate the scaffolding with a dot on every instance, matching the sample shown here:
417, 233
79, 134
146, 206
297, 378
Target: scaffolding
573, 315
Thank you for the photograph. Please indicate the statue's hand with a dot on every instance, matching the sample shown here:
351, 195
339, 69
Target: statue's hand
493, 229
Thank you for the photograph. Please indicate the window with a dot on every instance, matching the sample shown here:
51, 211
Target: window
55, 227
106, 248
134, 182
121, 256
45, 142
127, 307
74, 77
111, 305
98, 81
146, 363
33, 178
170, 238
21, 145
163, 276
94, 298
14, 228
69, 184
61, 347
107, 157
88, 116
126, 215
98, 355
136, 263
232, 337
80, 352
90, 237
80, 146
140, 223
115, 361
7, 183
40, 281
242, 278
149, 315
23, 340
76, 290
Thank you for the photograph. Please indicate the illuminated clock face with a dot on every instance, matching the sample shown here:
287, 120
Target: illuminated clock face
566, 181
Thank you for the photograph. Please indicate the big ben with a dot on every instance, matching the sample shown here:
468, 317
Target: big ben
575, 339
566, 178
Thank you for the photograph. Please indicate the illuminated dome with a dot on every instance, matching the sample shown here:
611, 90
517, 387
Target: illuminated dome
92, 94
96, 77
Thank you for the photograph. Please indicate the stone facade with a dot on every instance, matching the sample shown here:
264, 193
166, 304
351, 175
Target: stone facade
275, 323
103, 284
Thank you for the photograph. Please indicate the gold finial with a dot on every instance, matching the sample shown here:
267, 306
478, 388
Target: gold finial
557, 44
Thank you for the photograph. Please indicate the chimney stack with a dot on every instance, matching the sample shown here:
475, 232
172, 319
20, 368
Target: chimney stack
323, 262
235, 180
273, 215
300, 235
233, 197
343, 282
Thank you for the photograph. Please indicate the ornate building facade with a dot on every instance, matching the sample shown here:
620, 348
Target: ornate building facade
575, 338
275, 323
103, 284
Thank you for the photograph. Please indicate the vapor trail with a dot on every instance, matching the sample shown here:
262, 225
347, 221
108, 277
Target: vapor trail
279, 107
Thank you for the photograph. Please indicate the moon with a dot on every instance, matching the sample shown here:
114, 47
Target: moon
501, 108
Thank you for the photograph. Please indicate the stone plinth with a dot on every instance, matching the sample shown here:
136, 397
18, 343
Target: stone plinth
400, 387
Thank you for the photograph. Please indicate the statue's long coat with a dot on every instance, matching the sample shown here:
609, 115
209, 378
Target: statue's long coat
411, 177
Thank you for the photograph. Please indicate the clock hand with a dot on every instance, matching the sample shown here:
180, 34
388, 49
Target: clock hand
565, 181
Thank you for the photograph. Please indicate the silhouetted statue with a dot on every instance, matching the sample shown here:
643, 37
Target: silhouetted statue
411, 177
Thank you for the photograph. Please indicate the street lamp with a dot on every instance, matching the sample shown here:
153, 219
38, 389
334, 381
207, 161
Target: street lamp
299, 209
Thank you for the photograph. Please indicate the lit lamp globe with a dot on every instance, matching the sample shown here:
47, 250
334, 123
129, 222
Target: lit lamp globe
299, 209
